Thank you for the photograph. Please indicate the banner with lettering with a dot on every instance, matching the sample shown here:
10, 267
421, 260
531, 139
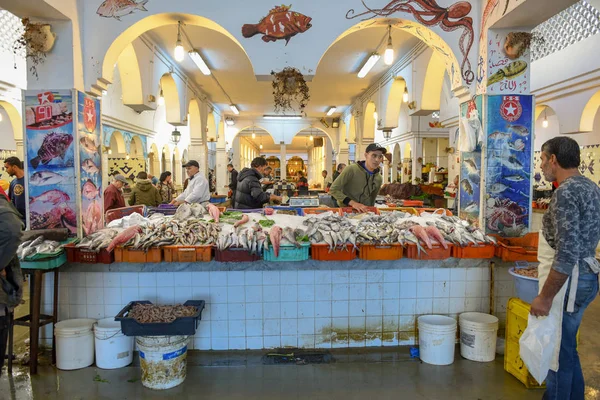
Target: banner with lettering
508, 62
50, 160
90, 162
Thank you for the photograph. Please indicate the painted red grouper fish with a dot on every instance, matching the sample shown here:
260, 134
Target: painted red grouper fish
280, 23
54, 145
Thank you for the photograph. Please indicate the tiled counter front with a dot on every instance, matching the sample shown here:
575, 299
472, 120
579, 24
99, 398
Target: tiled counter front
268, 305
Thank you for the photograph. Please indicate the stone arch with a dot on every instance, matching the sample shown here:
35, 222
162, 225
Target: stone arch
165, 158
434, 80
131, 77
146, 24
255, 126
195, 119
171, 95
117, 143
396, 161
589, 113
136, 148
369, 123
394, 102
15, 119
211, 128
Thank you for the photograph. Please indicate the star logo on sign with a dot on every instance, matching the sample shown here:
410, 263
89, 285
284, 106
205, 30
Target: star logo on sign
44, 98
90, 116
510, 110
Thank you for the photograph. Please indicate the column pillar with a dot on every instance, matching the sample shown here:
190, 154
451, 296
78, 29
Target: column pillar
198, 152
20, 149
417, 153
283, 162
386, 170
221, 165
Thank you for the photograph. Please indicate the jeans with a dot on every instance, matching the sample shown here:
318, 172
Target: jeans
567, 383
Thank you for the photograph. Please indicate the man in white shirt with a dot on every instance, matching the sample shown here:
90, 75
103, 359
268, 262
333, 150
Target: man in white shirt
197, 190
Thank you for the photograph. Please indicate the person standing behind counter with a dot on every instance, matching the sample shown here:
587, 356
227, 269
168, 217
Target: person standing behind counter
197, 190
358, 184
249, 193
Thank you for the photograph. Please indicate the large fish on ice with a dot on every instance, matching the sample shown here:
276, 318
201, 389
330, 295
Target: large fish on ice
280, 23
54, 145
119, 8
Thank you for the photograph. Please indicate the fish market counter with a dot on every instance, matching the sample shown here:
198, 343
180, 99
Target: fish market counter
308, 304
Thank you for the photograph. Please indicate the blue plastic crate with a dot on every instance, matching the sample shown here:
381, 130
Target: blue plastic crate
299, 210
288, 253
218, 200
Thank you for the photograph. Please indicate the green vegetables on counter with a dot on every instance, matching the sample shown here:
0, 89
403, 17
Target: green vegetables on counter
266, 223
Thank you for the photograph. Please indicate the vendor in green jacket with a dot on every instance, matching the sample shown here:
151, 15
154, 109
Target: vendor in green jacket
358, 184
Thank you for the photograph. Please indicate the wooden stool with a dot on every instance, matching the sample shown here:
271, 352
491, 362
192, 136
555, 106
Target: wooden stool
35, 320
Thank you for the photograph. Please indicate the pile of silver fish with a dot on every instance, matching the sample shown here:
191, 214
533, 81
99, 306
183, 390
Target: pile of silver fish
39, 245
335, 230
190, 232
186, 211
253, 239
98, 240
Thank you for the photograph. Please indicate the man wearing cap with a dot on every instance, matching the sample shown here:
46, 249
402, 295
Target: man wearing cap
113, 194
359, 183
197, 190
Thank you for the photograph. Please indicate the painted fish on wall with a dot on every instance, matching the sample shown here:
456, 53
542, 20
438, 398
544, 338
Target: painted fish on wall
55, 144
119, 8
280, 23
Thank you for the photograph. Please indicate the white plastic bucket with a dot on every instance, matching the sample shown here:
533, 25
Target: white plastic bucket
113, 349
163, 360
478, 335
437, 339
74, 343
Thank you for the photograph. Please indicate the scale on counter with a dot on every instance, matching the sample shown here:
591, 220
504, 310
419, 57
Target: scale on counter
304, 201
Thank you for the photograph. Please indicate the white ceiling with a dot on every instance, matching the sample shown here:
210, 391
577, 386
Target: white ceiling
335, 82
300, 143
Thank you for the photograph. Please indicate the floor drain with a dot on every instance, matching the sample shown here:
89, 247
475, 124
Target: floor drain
296, 357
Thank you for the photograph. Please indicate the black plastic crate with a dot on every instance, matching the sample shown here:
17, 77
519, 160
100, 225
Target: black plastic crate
183, 326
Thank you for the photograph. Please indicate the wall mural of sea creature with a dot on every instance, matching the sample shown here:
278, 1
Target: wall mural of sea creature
430, 14
119, 8
280, 23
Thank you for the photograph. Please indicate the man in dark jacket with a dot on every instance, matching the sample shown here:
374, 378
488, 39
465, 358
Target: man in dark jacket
249, 193
113, 194
144, 193
233, 183
11, 277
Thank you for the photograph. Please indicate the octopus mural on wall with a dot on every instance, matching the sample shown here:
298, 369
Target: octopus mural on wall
280, 24
430, 14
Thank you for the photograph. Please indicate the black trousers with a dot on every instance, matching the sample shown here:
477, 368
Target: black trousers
3, 338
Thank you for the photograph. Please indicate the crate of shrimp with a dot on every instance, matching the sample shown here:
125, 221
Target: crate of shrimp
87, 256
130, 255
142, 318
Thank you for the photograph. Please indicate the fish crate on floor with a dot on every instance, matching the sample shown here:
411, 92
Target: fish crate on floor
119, 213
87, 256
518, 249
351, 211
320, 210
181, 326
481, 250
380, 251
438, 252
235, 254
152, 255
320, 252
187, 253
288, 253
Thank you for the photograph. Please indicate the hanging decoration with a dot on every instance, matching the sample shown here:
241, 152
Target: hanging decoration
289, 89
36, 39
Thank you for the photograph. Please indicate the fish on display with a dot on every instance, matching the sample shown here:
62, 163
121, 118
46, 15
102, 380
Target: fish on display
43, 178
89, 166
92, 218
280, 23
88, 144
499, 135
54, 145
466, 185
519, 130
275, 235
89, 190
119, 8
471, 208
514, 178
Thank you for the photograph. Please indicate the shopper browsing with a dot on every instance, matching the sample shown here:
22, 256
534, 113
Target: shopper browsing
144, 192
568, 271
233, 183
197, 190
358, 184
249, 193
338, 171
16, 191
113, 194
165, 187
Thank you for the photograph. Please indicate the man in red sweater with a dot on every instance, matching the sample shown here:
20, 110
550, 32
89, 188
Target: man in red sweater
113, 195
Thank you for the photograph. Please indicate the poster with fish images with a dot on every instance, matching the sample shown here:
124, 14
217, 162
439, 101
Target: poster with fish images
508, 63
90, 174
469, 199
50, 160
509, 156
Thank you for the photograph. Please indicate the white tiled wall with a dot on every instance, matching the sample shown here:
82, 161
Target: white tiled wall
256, 309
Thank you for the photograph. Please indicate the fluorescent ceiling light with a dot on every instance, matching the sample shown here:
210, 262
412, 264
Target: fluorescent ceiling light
373, 58
234, 109
282, 116
331, 110
197, 59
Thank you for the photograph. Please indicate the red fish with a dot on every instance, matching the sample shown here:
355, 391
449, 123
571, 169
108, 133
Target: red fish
89, 190
242, 221
54, 145
214, 212
275, 236
42, 203
124, 236
280, 23
92, 218
422, 235
61, 216
435, 234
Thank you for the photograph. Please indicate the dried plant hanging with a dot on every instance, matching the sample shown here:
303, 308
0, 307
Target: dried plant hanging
517, 43
36, 39
290, 89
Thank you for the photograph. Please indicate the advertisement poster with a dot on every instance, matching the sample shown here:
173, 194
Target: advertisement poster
90, 182
50, 160
470, 172
508, 63
509, 167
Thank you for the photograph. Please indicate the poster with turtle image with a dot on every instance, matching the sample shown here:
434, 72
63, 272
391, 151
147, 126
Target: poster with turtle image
50, 160
470, 172
509, 157
90, 175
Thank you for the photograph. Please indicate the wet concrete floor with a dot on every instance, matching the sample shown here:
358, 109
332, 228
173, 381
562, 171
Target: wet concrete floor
381, 373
